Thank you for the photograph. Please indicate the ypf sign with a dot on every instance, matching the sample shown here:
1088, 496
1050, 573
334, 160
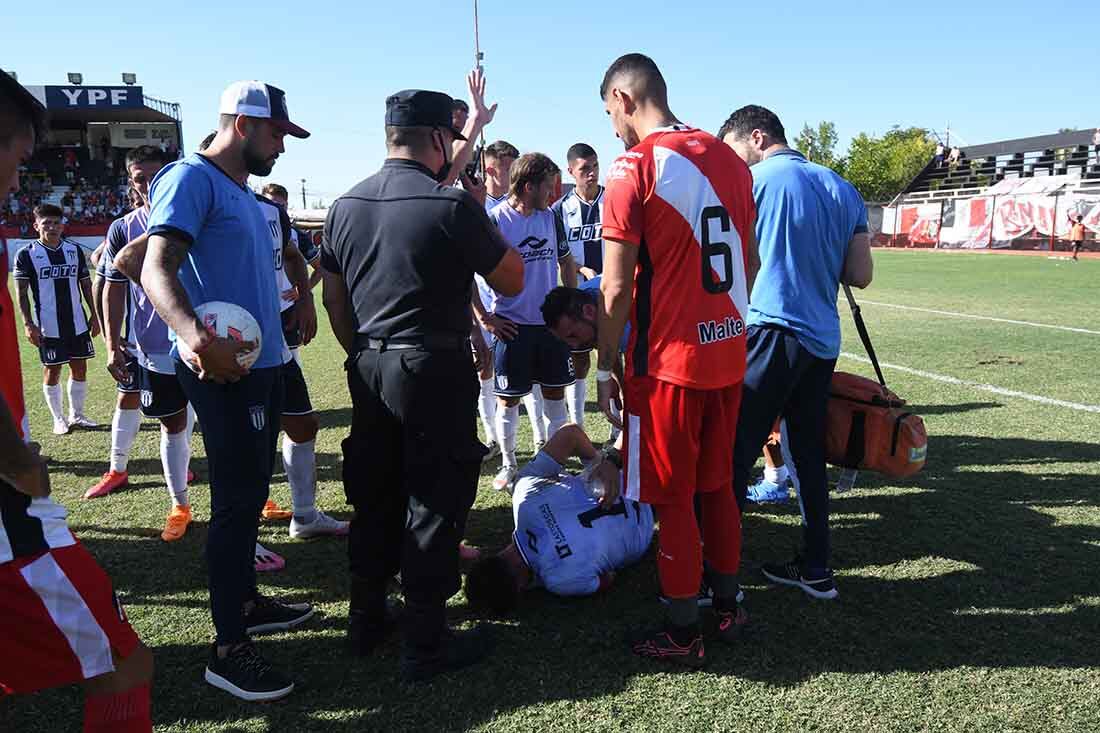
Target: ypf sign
91, 98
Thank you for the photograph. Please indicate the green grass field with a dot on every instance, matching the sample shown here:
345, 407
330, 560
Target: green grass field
969, 593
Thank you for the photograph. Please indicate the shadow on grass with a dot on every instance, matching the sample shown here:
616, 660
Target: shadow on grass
972, 563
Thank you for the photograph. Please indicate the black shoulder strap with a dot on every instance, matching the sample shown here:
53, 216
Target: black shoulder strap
857, 316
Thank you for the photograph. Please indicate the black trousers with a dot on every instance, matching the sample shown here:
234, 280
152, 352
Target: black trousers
240, 425
411, 467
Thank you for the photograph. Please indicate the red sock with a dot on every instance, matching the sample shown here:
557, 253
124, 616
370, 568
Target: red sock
680, 555
122, 712
721, 522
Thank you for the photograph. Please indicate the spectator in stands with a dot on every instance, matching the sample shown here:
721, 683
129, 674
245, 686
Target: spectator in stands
1096, 146
953, 156
939, 155
1077, 232
105, 147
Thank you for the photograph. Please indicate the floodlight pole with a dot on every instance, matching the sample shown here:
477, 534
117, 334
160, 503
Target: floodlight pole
304, 195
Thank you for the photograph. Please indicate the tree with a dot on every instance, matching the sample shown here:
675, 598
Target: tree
819, 145
880, 167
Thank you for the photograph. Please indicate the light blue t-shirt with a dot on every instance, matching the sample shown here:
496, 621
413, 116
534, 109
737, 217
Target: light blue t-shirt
805, 217
566, 539
230, 254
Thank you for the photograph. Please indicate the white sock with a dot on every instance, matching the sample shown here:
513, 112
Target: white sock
175, 454
300, 462
487, 408
124, 429
78, 391
507, 420
53, 400
533, 403
555, 413
575, 395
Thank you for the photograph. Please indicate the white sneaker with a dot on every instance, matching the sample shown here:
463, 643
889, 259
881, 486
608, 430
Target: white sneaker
494, 452
82, 421
60, 427
505, 479
322, 524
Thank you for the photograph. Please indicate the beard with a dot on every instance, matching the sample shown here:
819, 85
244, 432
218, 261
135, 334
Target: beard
254, 163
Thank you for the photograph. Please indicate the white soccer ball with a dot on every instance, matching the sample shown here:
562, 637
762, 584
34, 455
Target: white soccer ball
227, 321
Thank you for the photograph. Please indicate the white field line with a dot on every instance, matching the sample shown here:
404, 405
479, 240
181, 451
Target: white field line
978, 385
953, 314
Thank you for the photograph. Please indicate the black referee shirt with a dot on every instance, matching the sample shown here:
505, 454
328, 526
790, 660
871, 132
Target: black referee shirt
408, 249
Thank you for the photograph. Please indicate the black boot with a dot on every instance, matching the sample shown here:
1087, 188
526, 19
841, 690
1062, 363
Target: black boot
372, 616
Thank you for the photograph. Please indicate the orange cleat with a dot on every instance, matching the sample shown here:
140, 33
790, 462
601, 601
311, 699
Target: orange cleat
273, 511
111, 480
175, 526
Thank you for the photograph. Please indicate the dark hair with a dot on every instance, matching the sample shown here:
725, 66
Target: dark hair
563, 301
753, 117
414, 138
490, 587
531, 169
458, 104
207, 141
19, 110
275, 189
580, 150
43, 210
645, 79
501, 149
144, 154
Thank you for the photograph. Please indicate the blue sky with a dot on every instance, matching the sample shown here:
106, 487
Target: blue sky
979, 65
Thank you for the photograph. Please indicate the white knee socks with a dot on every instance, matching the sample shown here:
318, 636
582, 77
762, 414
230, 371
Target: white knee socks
175, 455
300, 462
78, 391
124, 429
487, 408
555, 413
507, 422
575, 395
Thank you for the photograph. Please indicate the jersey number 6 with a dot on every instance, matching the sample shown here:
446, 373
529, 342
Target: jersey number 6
710, 250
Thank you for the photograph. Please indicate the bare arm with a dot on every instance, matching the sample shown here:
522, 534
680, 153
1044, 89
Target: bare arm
99, 302
480, 116
130, 260
317, 274
86, 289
34, 335
507, 277
617, 288
294, 264
114, 315
858, 265
568, 267
338, 305
20, 464
570, 441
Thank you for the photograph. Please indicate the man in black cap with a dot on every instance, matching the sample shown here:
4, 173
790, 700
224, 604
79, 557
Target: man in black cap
400, 251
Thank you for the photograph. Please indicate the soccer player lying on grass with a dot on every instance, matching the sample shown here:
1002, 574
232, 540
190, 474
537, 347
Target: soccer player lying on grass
568, 538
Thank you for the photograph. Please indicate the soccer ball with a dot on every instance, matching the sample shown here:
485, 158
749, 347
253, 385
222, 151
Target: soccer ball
228, 321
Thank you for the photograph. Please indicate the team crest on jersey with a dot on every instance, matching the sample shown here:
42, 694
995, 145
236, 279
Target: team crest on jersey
51, 354
502, 381
146, 398
256, 416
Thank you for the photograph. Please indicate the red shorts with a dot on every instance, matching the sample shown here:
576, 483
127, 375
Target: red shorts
60, 621
677, 440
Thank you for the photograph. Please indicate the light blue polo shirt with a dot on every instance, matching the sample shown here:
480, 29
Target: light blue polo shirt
805, 217
230, 255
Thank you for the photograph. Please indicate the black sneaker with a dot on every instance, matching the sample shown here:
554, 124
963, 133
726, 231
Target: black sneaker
731, 623
365, 634
270, 615
243, 673
658, 644
790, 573
459, 649
706, 595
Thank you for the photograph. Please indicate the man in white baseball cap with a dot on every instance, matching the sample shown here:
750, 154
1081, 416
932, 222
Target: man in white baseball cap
256, 99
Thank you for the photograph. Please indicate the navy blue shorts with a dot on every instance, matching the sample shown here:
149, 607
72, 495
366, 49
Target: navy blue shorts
295, 392
57, 351
161, 394
534, 356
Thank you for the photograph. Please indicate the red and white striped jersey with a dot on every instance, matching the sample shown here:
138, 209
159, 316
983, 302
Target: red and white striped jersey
30, 526
685, 199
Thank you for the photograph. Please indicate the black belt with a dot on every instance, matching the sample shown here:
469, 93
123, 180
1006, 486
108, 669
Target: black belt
430, 342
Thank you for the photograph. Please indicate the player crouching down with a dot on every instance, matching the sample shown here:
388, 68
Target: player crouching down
572, 532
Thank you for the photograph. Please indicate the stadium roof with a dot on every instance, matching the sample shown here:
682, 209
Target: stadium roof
88, 103
1029, 144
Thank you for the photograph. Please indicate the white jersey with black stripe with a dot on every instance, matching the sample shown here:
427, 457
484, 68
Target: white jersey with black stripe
54, 275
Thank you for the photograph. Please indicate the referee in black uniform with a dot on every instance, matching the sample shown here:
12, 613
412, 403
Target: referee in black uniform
399, 255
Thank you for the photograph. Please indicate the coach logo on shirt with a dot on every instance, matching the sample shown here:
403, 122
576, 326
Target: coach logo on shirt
256, 415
